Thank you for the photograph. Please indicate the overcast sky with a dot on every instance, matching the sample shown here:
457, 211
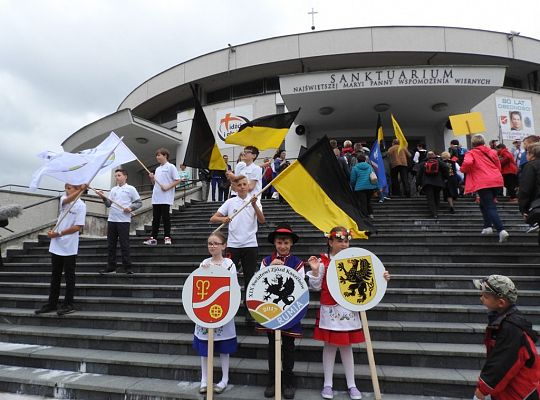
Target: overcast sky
66, 63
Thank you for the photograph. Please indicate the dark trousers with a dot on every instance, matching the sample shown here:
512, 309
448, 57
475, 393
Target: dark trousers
489, 208
510, 183
67, 265
161, 212
364, 198
433, 195
287, 358
246, 257
403, 174
116, 231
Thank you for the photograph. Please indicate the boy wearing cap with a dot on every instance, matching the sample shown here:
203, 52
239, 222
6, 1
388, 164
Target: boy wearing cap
283, 239
512, 367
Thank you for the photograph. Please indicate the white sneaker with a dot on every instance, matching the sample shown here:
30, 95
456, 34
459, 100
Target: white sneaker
533, 228
503, 236
150, 242
487, 231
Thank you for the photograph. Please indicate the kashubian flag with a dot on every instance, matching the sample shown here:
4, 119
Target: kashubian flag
316, 187
265, 132
403, 144
202, 150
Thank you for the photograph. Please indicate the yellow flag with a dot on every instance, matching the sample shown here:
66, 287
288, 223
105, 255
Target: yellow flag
403, 144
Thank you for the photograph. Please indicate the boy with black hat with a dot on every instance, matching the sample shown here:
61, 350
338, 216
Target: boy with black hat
512, 367
283, 239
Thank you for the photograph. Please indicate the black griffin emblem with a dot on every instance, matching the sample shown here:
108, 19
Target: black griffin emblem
359, 277
280, 289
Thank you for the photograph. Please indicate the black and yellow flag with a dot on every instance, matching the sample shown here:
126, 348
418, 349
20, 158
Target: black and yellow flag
202, 150
316, 187
265, 132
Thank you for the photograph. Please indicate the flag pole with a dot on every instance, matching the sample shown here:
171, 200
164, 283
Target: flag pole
147, 170
277, 364
111, 200
88, 185
210, 365
371, 357
248, 202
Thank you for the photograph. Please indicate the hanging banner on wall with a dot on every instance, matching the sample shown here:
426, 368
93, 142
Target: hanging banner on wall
229, 120
515, 117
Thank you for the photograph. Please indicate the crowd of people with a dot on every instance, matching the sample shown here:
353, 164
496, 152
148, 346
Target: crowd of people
480, 171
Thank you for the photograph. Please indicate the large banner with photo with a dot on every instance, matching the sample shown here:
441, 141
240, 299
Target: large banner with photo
515, 117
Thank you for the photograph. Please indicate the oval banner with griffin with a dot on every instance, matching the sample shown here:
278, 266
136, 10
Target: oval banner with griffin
277, 297
211, 296
355, 279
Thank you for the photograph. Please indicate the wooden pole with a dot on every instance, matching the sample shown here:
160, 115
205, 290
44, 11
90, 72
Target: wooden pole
147, 170
210, 365
371, 358
111, 200
277, 344
245, 205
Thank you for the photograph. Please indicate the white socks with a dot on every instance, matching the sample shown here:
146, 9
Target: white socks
224, 370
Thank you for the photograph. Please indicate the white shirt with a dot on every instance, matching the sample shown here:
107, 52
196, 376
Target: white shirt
165, 174
254, 173
227, 331
240, 166
243, 227
68, 245
123, 195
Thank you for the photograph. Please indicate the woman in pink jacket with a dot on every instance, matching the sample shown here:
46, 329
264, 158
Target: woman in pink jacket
483, 170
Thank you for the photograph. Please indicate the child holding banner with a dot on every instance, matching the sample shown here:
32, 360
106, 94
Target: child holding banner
224, 336
165, 180
336, 326
283, 239
64, 247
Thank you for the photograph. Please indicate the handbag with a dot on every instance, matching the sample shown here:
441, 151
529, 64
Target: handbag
373, 178
534, 213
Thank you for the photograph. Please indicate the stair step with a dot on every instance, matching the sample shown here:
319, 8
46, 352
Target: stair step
87, 385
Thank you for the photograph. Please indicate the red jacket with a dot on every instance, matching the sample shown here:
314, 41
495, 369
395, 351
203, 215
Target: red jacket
483, 169
508, 163
512, 368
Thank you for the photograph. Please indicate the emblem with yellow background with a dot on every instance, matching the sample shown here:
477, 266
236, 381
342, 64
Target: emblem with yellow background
355, 279
211, 296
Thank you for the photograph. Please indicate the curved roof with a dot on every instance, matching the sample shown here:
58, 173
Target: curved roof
334, 50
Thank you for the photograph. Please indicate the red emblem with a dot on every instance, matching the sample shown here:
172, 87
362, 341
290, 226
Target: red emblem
211, 297
504, 119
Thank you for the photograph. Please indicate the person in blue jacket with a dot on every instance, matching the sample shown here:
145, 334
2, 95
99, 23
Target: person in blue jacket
362, 185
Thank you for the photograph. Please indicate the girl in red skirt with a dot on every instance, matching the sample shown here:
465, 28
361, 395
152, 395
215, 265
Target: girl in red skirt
336, 326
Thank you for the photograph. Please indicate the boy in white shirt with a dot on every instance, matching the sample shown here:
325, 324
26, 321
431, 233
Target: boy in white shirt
63, 248
123, 200
242, 237
251, 171
165, 180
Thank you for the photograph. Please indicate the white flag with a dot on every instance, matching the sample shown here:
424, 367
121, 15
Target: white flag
81, 167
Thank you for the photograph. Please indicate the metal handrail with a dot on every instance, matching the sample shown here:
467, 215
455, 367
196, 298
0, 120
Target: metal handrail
41, 202
28, 187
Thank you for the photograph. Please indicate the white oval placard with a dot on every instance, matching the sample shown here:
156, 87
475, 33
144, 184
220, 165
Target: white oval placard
211, 296
355, 279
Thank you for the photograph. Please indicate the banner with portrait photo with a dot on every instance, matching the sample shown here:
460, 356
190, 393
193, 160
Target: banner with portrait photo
515, 117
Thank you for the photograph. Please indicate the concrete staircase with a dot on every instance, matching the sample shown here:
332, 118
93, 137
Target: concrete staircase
132, 340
